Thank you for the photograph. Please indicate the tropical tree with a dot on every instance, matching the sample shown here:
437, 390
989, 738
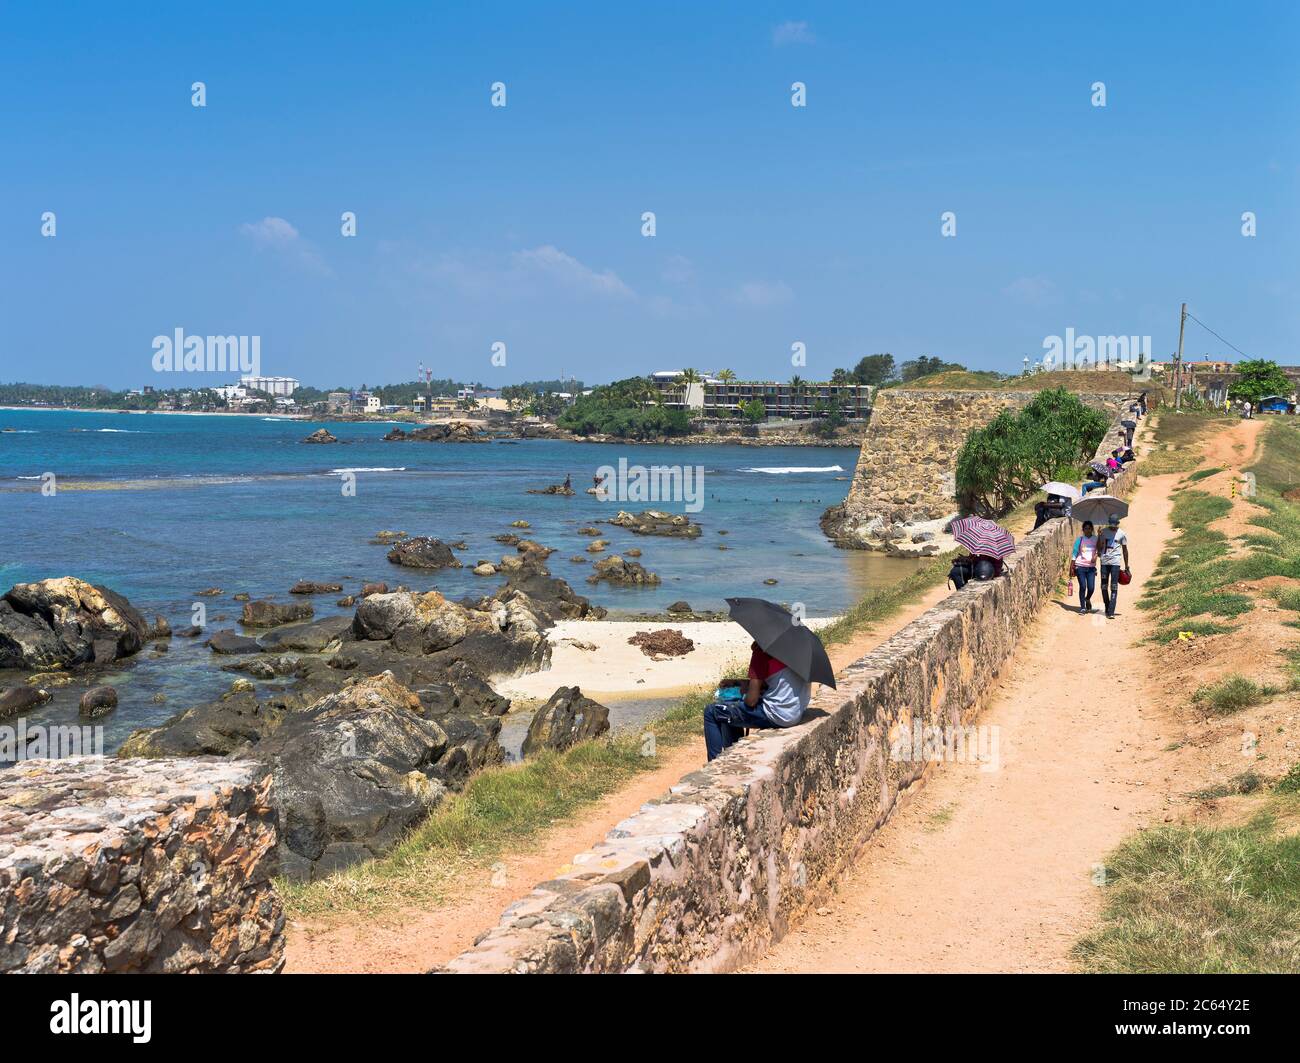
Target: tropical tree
1257, 378
1006, 460
752, 410
689, 376
726, 376
874, 369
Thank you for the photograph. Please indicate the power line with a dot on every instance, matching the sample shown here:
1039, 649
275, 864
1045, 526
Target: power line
1215, 334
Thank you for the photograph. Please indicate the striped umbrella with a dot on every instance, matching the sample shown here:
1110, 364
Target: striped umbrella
983, 537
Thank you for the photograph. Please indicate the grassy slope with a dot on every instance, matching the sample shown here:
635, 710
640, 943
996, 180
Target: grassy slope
1204, 898
1106, 383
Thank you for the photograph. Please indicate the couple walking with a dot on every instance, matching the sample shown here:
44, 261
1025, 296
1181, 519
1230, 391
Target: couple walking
1100, 556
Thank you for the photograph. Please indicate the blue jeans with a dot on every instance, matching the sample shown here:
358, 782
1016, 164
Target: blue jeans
725, 723
1110, 587
1087, 578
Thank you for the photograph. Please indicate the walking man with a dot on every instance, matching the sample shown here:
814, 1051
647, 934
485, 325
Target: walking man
1113, 548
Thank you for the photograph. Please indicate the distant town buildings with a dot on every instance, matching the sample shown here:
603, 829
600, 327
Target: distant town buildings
713, 397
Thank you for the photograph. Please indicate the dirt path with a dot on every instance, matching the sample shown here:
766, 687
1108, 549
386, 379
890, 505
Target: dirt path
992, 871
415, 939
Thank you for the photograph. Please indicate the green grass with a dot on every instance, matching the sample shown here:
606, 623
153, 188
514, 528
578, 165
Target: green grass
1290, 782
1170, 632
1232, 694
1187, 429
1200, 900
880, 604
1278, 467
1203, 474
500, 809
1248, 782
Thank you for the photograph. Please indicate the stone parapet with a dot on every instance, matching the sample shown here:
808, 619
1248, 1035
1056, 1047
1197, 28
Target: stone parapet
714, 872
138, 865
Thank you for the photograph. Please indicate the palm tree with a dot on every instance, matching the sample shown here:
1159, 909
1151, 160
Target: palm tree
797, 387
726, 376
689, 376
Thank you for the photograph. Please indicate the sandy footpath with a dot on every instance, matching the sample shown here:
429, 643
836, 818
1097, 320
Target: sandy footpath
995, 871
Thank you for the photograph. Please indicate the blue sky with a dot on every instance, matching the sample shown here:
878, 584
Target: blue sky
522, 224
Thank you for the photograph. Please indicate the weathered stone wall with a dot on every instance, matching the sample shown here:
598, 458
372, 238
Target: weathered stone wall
904, 485
714, 872
137, 865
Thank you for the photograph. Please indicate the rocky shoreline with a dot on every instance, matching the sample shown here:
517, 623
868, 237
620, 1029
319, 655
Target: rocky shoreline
363, 723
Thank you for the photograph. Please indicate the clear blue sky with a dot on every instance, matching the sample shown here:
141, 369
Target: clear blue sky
523, 224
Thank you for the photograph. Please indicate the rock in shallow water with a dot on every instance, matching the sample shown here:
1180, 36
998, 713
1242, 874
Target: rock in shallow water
97, 701
568, 717
266, 613
423, 552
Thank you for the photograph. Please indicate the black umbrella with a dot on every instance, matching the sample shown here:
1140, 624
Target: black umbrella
778, 633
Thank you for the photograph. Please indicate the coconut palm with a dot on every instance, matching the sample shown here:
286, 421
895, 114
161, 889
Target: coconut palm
726, 376
689, 376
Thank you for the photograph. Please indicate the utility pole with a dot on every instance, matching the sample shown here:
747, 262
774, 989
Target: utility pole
1178, 362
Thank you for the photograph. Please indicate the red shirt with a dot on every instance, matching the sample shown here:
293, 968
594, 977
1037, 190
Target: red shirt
762, 665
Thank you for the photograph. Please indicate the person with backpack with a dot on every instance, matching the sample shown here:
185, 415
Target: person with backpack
1113, 548
1083, 563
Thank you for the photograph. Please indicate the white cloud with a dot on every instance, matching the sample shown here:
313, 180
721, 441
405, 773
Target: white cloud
550, 261
1032, 290
271, 232
678, 269
277, 235
763, 293
792, 33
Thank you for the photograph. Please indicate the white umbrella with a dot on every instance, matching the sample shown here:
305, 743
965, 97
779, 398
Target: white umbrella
1063, 490
1099, 508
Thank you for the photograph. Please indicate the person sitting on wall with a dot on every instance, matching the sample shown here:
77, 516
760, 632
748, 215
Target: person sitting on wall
1095, 479
1054, 506
773, 697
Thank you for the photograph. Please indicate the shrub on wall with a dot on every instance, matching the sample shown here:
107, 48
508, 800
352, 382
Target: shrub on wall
1007, 460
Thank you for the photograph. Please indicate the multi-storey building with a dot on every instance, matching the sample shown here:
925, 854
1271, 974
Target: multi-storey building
711, 397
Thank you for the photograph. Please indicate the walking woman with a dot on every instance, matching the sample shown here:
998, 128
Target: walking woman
1084, 559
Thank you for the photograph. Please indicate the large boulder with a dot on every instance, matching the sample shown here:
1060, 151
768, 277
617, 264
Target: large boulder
656, 522
227, 642
218, 728
550, 596
417, 623
265, 613
17, 700
423, 552
306, 586
569, 716
351, 775
67, 622
321, 435
316, 637
453, 432
615, 569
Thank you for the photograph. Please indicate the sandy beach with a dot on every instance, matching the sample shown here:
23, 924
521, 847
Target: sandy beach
596, 656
